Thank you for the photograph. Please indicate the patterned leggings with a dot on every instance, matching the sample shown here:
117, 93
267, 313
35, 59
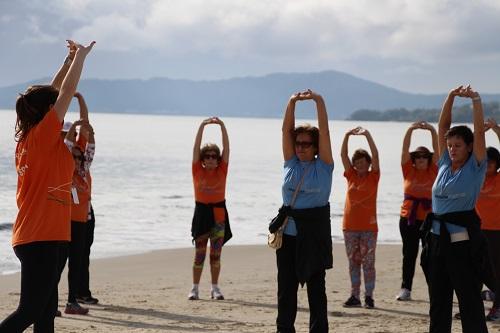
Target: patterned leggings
360, 248
216, 236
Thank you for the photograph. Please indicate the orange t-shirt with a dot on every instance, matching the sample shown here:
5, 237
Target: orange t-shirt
45, 168
418, 184
488, 202
210, 186
360, 211
80, 211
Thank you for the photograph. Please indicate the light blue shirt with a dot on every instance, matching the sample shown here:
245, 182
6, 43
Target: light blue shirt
456, 191
314, 191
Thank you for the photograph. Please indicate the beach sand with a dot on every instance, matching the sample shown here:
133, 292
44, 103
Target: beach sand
147, 293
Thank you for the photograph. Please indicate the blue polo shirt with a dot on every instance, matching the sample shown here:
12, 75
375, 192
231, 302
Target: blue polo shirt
314, 191
456, 191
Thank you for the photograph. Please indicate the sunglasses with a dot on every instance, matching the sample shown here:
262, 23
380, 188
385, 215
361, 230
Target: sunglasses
211, 156
422, 156
303, 144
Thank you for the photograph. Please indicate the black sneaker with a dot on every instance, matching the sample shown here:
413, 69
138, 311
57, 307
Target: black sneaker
352, 302
87, 300
369, 302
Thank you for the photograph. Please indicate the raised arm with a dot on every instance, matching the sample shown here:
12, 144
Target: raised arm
434, 137
61, 73
479, 140
344, 153
325, 145
373, 148
84, 111
288, 145
492, 124
405, 152
225, 139
68, 87
445, 119
197, 140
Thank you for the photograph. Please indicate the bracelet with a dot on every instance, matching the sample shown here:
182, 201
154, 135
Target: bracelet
68, 61
476, 99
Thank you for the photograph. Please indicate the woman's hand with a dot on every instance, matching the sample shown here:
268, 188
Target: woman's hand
360, 131
79, 48
218, 121
468, 92
71, 49
456, 92
490, 123
426, 126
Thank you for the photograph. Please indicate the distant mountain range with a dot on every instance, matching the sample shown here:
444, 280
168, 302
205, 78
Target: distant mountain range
264, 96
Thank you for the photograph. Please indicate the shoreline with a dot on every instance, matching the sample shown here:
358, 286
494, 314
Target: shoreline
148, 293
139, 252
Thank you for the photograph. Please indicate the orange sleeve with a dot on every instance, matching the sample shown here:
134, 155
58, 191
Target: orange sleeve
407, 168
223, 166
375, 175
48, 131
349, 173
196, 168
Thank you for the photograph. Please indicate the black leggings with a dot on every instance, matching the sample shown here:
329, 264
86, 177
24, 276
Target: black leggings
493, 241
411, 236
84, 289
40, 273
76, 250
452, 268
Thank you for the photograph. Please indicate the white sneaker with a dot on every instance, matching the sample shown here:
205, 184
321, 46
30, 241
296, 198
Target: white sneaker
193, 294
404, 295
215, 293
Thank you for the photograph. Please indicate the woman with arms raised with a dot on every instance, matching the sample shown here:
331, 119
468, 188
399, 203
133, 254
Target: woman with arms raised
455, 255
419, 172
360, 216
210, 220
45, 169
306, 251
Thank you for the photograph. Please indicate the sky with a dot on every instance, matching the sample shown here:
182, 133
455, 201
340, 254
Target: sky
420, 46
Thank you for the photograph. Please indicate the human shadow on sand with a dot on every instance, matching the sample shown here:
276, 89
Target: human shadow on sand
97, 314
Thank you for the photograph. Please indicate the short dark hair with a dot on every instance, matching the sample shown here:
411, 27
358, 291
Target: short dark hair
312, 131
421, 150
32, 106
210, 147
493, 155
461, 131
359, 154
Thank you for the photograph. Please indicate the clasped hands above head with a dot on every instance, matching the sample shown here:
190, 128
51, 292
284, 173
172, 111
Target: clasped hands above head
466, 92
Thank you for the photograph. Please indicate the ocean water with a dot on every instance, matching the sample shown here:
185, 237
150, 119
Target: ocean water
143, 192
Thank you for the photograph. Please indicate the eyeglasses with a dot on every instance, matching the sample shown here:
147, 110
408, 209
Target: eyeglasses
303, 144
210, 156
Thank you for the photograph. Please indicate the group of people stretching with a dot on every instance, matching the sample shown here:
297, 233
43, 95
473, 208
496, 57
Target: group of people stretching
450, 199
451, 195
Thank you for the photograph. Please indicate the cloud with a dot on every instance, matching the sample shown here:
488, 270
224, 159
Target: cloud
421, 31
231, 37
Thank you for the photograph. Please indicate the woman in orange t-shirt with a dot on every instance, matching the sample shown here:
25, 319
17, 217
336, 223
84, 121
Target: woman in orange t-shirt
419, 172
360, 216
210, 220
44, 166
487, 208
